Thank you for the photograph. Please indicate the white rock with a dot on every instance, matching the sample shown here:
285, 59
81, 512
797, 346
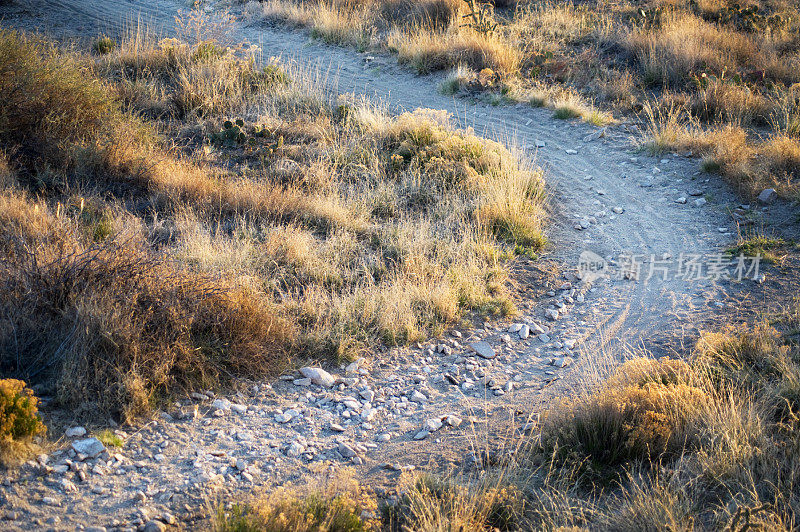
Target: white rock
336, 427
418, 397
453, 421
239, 409
515, 328
618, 210
699, 202
562, 362
433, 424
367, 395
524, 332
90, 447
551, 314
75, 432
681, 200
318, 376
383, 438
295, 449
569, 343
221, 404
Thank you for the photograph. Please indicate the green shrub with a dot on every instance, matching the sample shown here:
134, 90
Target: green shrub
104, 45
19, 419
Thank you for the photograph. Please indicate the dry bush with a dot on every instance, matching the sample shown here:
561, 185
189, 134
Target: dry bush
52, 112
434, 504
336, 502
19, 419
645, 411
112, 326
334, 225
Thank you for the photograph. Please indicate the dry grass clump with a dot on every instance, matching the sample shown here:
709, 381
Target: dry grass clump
337, 503
710, 443
428, 51
173, 79
644, 411
432, 504
111, 325
138, 266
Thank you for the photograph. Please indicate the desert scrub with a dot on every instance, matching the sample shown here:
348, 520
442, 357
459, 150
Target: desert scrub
19, 419
311, 226
172, 78
336, 503
432, 503
643, 412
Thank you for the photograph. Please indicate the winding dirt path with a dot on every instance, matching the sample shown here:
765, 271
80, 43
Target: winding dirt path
590, 178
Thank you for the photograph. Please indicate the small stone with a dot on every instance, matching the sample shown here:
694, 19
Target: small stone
515, 328
295, 449
75, 432
681, 200
433, 424
570, 343
768, 196
551, 314
318, 376
421, 435
90, 447
617, 210
383, 438
336, 427
453, 421
562, 362
346, 451
418, 397
571, 152
483, 349
544, 338
221, 404
524, 332
154, 526
456, 334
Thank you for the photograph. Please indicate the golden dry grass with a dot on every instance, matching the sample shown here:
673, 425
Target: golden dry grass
727, 72
188, 253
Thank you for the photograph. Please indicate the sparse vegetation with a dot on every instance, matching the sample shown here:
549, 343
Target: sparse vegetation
135, 266
709, 443
335, 504
715, 78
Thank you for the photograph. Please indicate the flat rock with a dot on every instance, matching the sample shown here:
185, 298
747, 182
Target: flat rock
483, 349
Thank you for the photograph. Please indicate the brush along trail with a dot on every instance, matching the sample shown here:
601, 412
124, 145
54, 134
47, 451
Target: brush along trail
449, 403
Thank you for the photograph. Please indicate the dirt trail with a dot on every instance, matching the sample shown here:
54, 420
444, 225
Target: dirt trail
590, 178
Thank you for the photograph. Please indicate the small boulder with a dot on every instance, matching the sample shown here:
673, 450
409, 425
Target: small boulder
318, 376
768, 196
90, 447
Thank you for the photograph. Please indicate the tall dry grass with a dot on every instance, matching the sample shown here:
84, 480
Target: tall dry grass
147, 251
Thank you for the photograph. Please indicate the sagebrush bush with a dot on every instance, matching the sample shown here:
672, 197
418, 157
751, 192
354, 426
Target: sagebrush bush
645, 411
19, 418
